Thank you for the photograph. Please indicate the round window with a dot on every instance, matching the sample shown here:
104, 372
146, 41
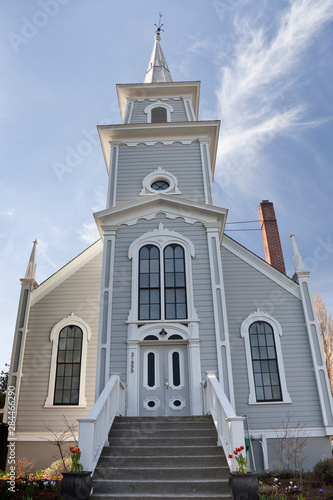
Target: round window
160, 185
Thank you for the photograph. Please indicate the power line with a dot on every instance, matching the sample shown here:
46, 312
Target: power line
243, 222
242, 230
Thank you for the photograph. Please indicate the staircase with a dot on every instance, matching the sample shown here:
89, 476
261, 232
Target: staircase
159, 458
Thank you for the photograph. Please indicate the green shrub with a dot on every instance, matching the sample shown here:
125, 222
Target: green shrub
324, 470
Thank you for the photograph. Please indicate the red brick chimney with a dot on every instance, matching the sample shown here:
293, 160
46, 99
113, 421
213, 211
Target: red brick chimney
271, 237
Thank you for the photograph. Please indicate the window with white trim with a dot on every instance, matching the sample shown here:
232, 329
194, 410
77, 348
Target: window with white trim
264, 362
159, 181
67, 383
162, 277
69, 338
158, 112
162, 283
267, 381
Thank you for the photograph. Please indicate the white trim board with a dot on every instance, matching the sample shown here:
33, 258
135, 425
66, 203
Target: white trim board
149, 206
261, 266
310, 432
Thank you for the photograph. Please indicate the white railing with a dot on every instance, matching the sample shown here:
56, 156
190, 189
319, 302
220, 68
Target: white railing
230, 427
94, 429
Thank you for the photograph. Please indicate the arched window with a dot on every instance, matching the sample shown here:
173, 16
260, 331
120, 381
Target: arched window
67, 378
149, 283
67, 383
264, 362
267, 380
159, 115
174, 282
158, 112
154, 283
161, 277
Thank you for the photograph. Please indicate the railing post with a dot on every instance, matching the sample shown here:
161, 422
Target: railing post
86, 442
236, 436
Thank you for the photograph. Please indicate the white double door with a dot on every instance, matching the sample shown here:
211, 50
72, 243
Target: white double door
164, 387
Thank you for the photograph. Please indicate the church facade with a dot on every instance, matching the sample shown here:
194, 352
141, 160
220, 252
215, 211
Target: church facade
165, 297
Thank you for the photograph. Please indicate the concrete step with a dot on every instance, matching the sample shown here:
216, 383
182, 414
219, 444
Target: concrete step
153, 451
161, 442
149, 487
161, 473
120, 496
163, 461
162, 432
159, 458
159, 420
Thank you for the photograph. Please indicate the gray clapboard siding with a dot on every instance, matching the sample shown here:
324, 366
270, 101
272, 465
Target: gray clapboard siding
181, 160
246, 290
201, 284
78, 294
178, 115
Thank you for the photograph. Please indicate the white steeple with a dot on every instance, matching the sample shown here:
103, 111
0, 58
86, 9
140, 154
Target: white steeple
30, 272
158, 71
297, 259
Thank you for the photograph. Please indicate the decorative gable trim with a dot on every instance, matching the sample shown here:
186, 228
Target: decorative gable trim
66, 272
261, 266
148, 207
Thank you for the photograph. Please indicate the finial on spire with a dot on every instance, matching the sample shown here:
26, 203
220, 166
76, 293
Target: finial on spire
158, 71
159, 28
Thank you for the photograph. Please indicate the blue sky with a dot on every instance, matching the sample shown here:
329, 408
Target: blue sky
266, 73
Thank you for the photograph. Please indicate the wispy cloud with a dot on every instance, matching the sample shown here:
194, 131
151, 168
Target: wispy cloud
255, 106
9, 212
88, 233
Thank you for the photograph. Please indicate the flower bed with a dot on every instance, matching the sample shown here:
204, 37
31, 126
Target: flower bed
284, 487
31, 488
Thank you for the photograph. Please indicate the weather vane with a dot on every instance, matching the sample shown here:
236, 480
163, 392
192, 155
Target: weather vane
159, 27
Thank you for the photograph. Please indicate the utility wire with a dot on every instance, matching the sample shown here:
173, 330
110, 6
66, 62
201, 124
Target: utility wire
243, 222
242, 230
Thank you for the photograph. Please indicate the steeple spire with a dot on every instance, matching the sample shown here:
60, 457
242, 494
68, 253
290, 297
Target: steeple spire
297, 259
30, 272
158, 71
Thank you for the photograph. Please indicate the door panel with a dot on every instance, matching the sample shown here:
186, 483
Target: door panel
164, 380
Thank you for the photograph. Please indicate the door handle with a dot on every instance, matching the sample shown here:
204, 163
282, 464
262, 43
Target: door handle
167, 384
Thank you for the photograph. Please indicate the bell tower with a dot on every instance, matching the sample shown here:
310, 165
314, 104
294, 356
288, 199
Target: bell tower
159, 216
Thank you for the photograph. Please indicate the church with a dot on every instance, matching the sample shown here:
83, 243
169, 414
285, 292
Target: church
165, 316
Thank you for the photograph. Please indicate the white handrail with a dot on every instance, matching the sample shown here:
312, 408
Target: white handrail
230, 427
94, 429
